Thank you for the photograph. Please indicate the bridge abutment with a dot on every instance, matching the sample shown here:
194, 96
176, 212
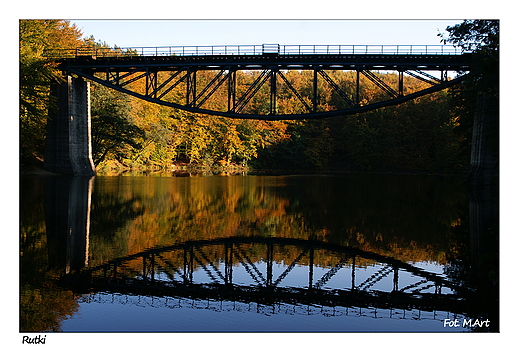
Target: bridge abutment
483, 170
68, 148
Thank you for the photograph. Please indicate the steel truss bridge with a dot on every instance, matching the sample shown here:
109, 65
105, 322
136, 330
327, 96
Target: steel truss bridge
118, 68
279, 273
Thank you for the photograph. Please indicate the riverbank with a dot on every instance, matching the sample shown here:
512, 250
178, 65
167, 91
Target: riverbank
113, 168
34, 167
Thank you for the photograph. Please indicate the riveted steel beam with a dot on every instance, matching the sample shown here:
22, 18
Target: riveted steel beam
119, 72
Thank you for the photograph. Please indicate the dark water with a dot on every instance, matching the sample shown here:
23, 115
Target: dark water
353, 253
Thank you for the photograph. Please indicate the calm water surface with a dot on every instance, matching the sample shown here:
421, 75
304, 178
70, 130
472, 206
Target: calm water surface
303, 253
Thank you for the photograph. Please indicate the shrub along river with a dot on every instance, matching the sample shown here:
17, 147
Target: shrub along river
257, 253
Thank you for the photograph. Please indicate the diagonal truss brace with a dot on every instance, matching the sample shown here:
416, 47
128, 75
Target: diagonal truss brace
290, 267
379, 275
172, 267
328, 275
336, 88
424, 76
217, 79
251, 91
381, 84
295, 91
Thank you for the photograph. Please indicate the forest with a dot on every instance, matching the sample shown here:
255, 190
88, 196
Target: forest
431, 134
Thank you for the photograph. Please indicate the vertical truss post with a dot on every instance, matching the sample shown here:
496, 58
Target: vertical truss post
353, 272
153, 267
190, 265
273, 92
311, 267
194, 86
191, 86
144, 268
185, 266
115, 270
315, 90
147, 77
401, 82
151, 83
269, 281
188, 78
357, 86
228, 271
396, 279
232, 85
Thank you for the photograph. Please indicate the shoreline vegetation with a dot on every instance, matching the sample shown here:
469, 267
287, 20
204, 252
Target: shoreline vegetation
114, 168
431, 134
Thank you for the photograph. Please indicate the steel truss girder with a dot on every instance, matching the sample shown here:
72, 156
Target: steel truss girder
192, 255
155, 91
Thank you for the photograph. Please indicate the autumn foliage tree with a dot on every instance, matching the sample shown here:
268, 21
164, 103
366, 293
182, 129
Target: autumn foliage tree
36, 75
423, 135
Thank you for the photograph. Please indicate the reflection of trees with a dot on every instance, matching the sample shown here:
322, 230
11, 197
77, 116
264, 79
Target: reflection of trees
109, 214
393, 216
403, 216
474, 255
45, 309
399, 216
163, 211
42, 305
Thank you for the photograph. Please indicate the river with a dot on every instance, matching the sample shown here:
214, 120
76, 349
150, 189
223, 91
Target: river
256, 253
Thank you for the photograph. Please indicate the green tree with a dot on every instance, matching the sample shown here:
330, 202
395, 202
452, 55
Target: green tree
37, 72
113, 131
481, 37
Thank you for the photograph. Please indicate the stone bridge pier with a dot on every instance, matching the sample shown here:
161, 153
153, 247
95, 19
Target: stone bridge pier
68, 148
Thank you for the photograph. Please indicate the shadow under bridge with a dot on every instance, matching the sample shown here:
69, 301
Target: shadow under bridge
271, 271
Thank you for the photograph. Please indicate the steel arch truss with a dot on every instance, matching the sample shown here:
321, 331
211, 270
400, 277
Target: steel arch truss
178, 82
248, 269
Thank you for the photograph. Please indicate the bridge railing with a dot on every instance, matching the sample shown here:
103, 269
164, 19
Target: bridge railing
264, 49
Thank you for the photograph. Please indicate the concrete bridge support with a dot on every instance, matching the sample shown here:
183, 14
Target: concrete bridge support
67, 220
483, 170
68, 148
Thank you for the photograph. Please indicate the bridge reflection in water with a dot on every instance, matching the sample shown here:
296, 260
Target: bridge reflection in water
273, 276
267, 275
